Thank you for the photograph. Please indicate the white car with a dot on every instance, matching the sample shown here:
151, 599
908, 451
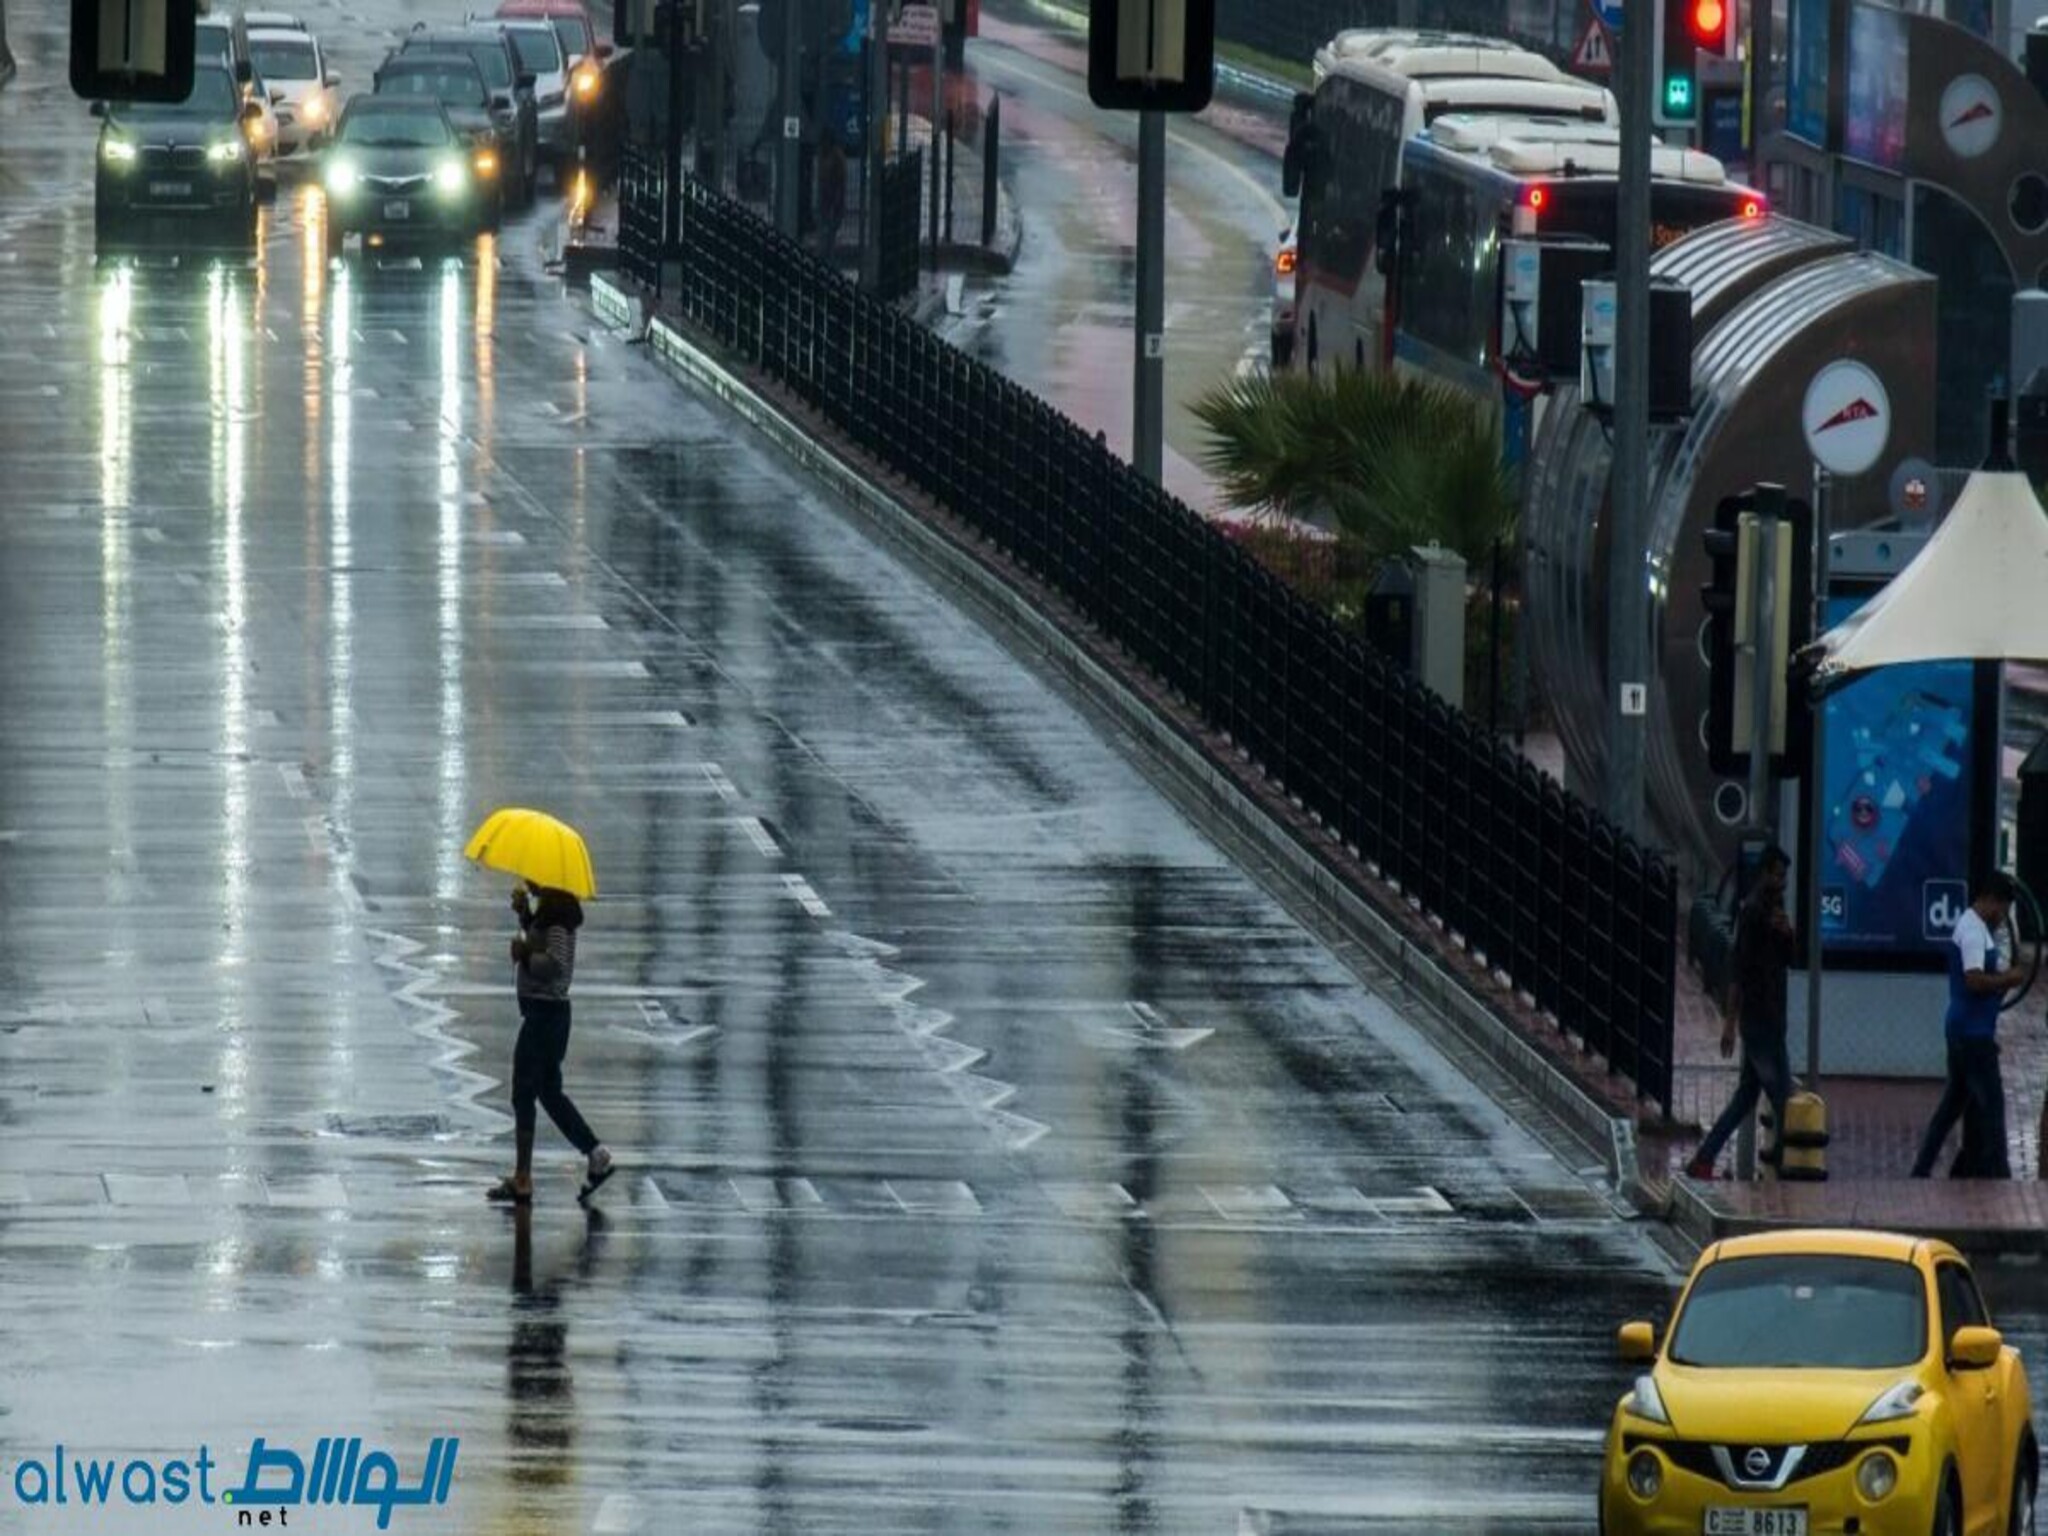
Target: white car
272, 21
302, 89
540, 55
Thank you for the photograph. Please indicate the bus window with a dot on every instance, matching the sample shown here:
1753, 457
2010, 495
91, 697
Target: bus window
1352, 156
1447, 266
1676, 210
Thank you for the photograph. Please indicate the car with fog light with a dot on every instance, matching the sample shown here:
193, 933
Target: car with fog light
400, 174
179, 170
577, 33
454, 81
512, 101
1821, 1383
303, 91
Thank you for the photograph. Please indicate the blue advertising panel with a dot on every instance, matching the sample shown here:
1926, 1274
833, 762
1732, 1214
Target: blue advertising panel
1874, 119
1806, 71
1897, 818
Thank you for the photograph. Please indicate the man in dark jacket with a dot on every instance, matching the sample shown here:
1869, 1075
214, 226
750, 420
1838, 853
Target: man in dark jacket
1756, 1010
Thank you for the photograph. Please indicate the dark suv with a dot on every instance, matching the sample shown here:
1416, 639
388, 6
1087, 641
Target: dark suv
512, 102
177, 165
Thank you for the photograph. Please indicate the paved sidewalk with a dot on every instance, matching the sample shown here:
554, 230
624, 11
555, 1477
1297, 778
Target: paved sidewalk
1875, 1125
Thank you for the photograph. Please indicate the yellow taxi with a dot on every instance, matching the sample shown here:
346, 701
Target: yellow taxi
1823, 1383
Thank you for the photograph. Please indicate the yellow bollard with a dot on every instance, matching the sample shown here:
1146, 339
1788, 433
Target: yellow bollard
1804, 1140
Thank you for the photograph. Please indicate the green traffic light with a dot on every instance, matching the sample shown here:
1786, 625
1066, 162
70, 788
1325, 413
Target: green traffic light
1678, 95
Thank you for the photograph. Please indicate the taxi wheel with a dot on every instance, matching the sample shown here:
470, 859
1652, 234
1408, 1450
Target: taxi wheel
1947, 1517
2021, 1522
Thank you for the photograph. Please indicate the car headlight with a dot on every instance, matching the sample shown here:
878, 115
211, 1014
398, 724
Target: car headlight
343, 177
448, 177
1895, 1402
587, 80
118, 151
1645, 1474
225, 151
1646, 1402
1876, 1476
486, 162
314, 112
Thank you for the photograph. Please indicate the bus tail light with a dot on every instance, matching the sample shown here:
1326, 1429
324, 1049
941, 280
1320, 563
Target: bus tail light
1753, 208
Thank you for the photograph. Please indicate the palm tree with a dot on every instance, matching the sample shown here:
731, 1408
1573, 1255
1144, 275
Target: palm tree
1389, 462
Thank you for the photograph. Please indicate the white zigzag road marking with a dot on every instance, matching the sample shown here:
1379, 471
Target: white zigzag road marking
451, 1052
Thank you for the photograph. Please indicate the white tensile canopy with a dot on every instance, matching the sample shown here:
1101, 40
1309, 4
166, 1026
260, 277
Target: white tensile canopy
1978, 590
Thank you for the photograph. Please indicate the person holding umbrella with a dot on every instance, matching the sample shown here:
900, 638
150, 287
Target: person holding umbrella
554, 867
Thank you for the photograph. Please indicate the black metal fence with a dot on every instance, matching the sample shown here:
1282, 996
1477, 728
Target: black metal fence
642, 203
1293, 29
1547, 892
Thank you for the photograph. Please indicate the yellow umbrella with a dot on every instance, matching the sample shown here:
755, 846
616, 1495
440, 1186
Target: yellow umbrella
534, 846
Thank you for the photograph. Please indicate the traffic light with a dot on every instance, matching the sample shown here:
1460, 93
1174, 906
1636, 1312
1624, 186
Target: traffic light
1685, 30
1733, 546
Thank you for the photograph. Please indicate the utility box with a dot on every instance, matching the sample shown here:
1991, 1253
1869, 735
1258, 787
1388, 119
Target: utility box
1440, 621
1670, 349
1390, 614
1541, 294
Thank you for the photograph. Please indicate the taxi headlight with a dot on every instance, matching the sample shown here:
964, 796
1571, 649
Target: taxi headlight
1646, 1402
1898, 1401
586, 81
448, 178
1877, 1475
118, 151
1645, 1475
314, 112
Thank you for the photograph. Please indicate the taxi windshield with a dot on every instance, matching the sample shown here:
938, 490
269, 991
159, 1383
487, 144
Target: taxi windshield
538, 50
1810, 1311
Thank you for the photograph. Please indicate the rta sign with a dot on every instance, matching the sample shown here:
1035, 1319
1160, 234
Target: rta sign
1942, 905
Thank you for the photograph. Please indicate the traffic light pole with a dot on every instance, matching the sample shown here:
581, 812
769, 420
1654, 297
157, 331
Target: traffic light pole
1817, 798
1770, 502
1148, 416
790, 148
1628, 591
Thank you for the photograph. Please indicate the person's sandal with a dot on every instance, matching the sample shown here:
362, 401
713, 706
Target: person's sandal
505, 1192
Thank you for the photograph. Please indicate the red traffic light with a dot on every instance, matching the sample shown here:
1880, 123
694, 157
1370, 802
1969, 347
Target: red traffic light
1708, 20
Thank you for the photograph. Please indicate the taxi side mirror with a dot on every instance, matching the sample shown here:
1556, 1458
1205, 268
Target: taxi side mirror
1637, 1343
1975, 1349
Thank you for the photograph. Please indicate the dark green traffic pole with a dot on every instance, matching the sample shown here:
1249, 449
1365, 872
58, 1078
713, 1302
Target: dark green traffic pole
1148, 429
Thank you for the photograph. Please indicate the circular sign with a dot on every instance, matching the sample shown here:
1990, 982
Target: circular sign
1847, 417
1971, 115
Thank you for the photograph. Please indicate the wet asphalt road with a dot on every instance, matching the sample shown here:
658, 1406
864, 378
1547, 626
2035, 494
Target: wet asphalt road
1062, 322
997, 1156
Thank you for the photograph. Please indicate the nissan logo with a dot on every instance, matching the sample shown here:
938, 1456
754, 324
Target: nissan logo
1757, 1463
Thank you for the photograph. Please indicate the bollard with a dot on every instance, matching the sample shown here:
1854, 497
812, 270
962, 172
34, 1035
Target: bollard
1803, 1142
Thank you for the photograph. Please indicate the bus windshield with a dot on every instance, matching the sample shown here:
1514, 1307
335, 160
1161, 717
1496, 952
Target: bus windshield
1676, 209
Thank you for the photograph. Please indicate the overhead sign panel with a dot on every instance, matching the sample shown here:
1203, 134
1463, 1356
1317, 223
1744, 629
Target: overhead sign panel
1151, 55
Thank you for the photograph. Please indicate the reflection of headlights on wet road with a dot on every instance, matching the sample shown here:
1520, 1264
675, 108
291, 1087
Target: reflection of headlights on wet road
118, 151
449, 180
343, 178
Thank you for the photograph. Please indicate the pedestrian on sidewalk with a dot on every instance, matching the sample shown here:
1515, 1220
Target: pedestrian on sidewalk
1976, 1090
1756, 1009
545, 956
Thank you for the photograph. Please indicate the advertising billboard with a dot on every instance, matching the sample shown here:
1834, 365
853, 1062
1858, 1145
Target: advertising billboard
1806, 71
1905, 795
1874, 122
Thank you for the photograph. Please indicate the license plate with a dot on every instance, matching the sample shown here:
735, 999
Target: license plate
1755, 1522
170, 189
399, 209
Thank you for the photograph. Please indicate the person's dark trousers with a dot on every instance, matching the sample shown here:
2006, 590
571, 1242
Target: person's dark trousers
1975, 1094
537, 1071
1766, 1073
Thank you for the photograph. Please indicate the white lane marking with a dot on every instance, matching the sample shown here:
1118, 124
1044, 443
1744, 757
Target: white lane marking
762, 839
496, 536
933, 1197
295, 781
550, 621
570, 667
1245, 1202
146, 1188
1154, 1031
1093, 1202
798, 889
153, 535
618, 1515
650, 1194
1014, 1132
1424, 1202
396, 955
312, 1192
721, 786
944, 1055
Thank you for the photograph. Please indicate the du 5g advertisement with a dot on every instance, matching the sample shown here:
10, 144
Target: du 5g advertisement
1910, 795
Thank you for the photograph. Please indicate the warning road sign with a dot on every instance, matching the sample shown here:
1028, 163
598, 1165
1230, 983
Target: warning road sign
1595, 53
